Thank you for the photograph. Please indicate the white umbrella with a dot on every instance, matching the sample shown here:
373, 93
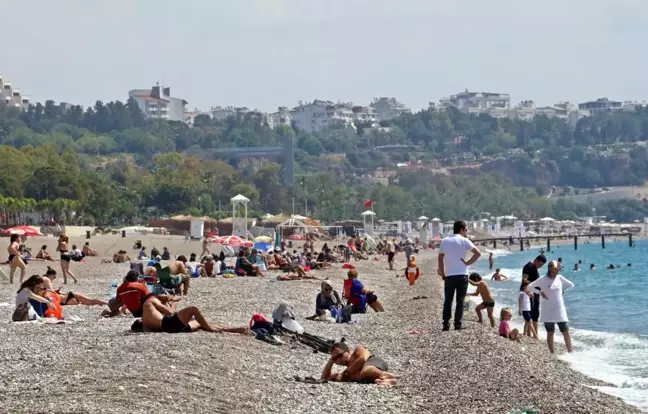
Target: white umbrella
547, 219
423, 218
435, 219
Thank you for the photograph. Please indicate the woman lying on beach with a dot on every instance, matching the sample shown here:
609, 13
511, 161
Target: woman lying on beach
552, 310
158, 317
361, 366
70, 298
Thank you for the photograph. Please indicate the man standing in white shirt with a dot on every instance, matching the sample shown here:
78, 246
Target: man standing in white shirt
453, 269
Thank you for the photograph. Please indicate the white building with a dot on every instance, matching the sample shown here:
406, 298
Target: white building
388, 108
157, 103
13, 96
318, 115
279, 118
601, 106
480, 102
363, 114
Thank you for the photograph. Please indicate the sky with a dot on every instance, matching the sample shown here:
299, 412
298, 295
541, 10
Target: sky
269, 53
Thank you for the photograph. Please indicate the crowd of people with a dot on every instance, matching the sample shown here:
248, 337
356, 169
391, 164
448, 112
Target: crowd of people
540, 298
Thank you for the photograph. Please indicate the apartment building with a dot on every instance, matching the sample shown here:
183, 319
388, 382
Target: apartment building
498, 104
13, 96
601, 106
279, 118
319, 114
388, 108
157, 103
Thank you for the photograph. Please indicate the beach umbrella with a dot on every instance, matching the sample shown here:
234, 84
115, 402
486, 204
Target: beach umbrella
264, 239
233, 241
23, 231
296, 237
423, 218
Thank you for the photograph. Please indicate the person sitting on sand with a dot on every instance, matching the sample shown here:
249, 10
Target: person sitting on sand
505, 329
498, 276
180, 273
132, 294
70, 298
488, 302
209, 267
30, 289
158, 317
121, 257
166, 255
361, 366
142, 254
358, 296
87, 251
44, 255
244, 267
327, 298
76, 254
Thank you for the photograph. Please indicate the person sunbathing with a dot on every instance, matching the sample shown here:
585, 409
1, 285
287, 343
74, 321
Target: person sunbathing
44, 255
87, 251
158, 317
69, 298
121, 257
361, 366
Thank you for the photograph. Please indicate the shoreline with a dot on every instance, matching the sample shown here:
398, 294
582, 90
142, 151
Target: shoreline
94, 364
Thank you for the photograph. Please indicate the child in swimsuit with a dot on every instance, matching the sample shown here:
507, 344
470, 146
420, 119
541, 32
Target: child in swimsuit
488, 302
505, 329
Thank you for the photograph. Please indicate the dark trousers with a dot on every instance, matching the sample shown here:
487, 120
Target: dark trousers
458, 284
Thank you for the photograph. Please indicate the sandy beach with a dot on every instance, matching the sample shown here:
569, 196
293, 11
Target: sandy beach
99, 366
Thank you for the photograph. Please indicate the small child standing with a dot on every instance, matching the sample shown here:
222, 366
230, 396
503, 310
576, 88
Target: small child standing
412, 271
488, 302
524, 304
505, 329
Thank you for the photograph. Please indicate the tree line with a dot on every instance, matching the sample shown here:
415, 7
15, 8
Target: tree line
120, 167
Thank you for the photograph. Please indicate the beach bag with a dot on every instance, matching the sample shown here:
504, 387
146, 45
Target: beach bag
21, 313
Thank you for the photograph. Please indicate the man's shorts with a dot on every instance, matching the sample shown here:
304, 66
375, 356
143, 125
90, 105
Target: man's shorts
390, 257
526, 315
551, 326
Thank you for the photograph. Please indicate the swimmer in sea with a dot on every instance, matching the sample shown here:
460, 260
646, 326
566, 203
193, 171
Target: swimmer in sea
592, 267
576, 268
498, 276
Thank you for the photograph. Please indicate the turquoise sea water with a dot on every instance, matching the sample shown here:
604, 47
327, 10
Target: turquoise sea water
607, 309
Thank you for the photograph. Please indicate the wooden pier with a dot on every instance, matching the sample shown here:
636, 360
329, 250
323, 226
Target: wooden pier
523, 240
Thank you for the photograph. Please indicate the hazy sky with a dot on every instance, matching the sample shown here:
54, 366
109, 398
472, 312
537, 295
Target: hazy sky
267, 53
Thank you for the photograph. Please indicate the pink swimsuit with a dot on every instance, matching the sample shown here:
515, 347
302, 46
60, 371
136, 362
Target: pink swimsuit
504, 328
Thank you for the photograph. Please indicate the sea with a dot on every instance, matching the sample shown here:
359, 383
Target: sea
607, 309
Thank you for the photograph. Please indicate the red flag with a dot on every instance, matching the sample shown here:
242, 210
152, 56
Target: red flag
368, 203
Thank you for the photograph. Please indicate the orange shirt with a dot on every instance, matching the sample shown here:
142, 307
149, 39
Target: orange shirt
131, 295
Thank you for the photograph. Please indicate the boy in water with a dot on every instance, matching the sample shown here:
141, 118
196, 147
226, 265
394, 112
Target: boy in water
488, 302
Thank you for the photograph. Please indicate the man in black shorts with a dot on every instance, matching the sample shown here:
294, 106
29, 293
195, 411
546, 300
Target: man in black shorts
530, 273
158, 317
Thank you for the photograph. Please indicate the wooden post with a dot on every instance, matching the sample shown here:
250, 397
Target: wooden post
603, 241
630, 240
494, 243
575, 242
548, 244
522, 244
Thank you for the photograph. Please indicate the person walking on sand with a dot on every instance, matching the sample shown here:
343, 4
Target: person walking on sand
391, 252
530, 274
553, 309
15, 259
205, 246
453, 269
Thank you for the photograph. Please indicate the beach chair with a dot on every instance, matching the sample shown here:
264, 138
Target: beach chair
165, 281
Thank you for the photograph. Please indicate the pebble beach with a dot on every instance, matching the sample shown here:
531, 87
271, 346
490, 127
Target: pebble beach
95, 365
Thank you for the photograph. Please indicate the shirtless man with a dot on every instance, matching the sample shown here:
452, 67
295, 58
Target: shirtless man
180, 273
361, 366
158, 317
487, 298
498, 276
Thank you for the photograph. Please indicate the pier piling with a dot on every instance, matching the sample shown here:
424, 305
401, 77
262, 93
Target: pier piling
575, 242
548, 244
603, 241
